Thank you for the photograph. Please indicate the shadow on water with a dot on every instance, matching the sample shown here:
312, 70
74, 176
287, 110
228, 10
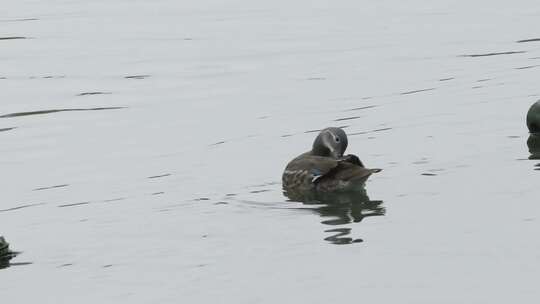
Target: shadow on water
338, 209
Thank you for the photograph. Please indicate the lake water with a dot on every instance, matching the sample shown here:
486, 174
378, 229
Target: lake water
143, 144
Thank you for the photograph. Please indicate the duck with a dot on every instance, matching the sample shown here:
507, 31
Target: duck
325, 168
533, 124
533, 118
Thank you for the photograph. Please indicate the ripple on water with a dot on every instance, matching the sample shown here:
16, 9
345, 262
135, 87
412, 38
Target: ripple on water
347, 118
416, 91
21, 207
527, 67
73, 204
13, 38
42, 112
159, 176
19, 20
50, 187
93, 93
492, 54
528, 40
360, 108
6, 129
370, 131
136, 76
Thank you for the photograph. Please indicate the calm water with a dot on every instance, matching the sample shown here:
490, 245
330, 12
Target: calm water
143, 144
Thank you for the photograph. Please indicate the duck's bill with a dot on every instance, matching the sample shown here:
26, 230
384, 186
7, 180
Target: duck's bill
336, 154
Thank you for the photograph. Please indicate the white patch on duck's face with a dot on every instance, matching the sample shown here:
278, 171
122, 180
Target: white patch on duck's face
332, 142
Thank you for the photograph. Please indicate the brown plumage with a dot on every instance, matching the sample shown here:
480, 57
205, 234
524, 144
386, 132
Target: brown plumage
324, 168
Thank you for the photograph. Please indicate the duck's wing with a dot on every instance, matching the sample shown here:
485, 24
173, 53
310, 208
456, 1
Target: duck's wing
315, 166
347, 171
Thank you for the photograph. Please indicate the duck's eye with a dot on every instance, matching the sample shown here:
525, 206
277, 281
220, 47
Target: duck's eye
337, 139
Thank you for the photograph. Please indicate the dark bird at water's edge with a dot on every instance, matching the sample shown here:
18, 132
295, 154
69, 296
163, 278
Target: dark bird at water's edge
533, 118
533, 123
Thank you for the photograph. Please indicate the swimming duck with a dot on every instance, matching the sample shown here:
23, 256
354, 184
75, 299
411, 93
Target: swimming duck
533, 118
325, 168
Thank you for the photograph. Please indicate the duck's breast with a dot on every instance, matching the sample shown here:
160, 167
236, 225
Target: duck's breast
297, 179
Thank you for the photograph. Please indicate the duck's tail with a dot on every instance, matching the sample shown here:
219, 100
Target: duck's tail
357, 174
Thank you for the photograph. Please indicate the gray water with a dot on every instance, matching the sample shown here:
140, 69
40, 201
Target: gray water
143, 144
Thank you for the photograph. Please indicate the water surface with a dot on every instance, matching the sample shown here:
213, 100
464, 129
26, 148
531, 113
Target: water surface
142, 152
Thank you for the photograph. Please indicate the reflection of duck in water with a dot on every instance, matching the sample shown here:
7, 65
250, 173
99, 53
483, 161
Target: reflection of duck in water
533, 142
324, 168
340, 208
533, 123
5, 253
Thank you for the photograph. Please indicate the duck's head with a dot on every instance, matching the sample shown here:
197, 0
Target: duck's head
330, 142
